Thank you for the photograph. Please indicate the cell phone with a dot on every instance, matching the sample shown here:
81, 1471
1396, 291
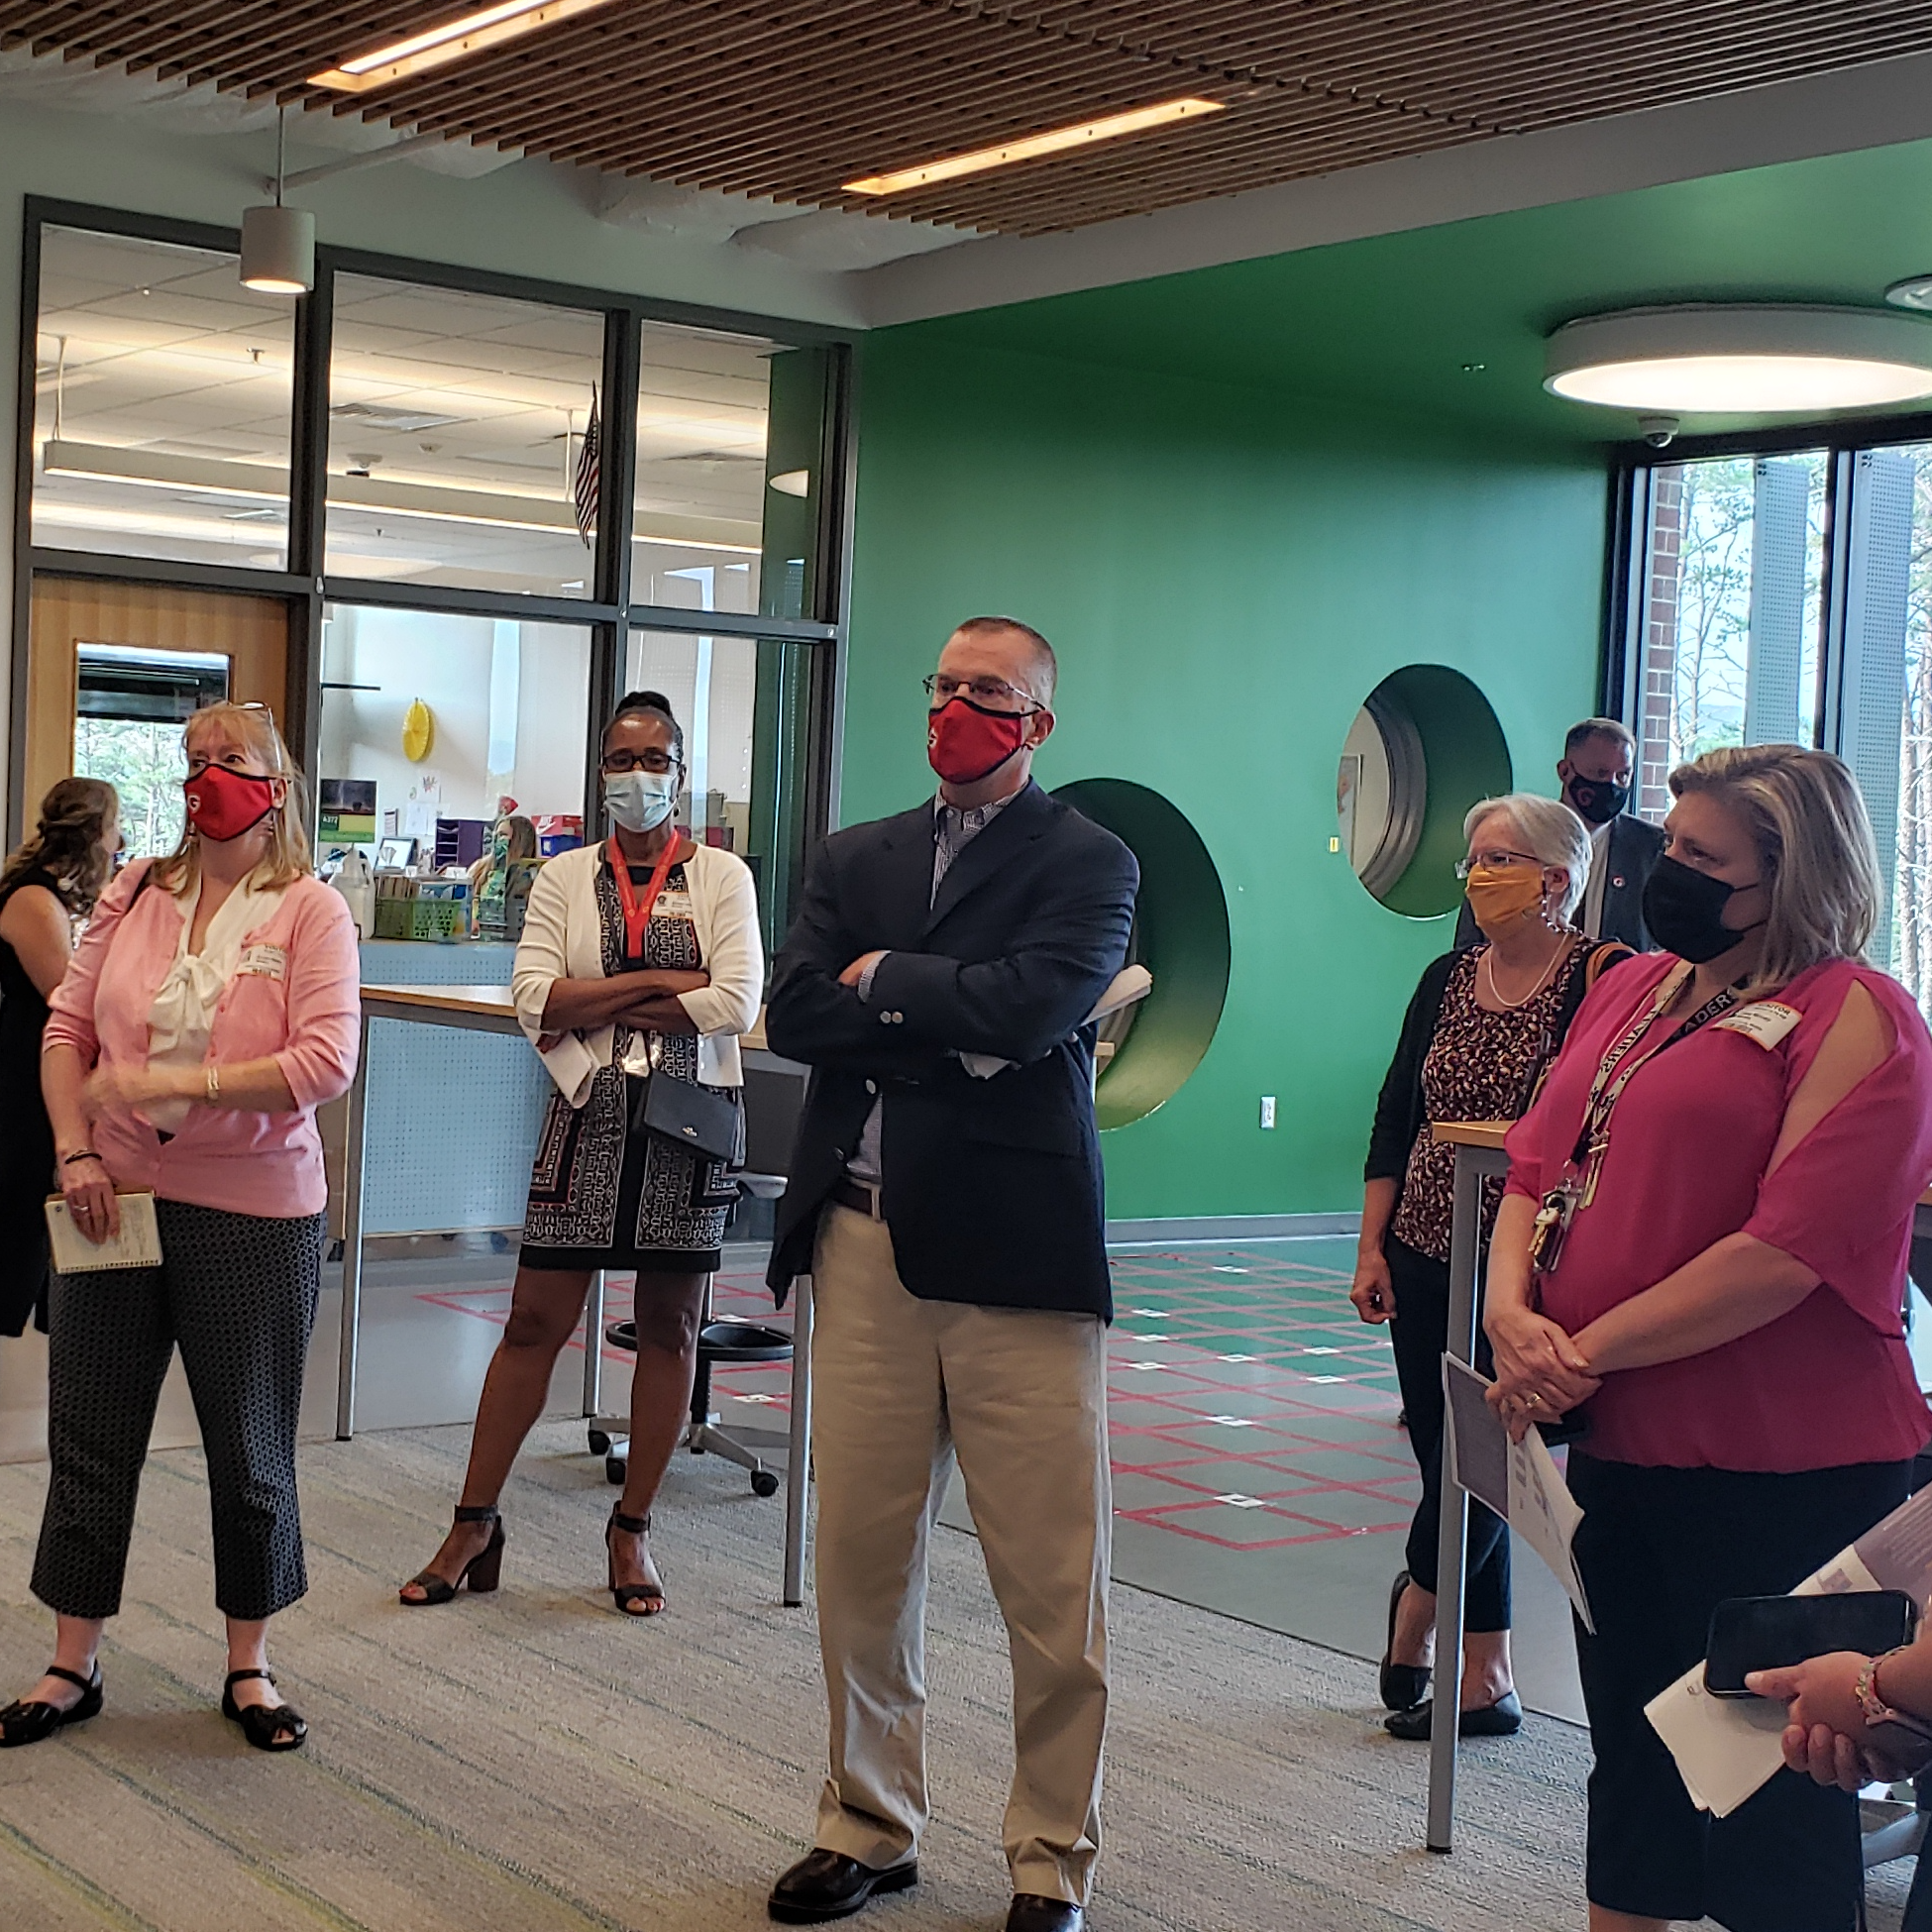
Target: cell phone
1768, 1633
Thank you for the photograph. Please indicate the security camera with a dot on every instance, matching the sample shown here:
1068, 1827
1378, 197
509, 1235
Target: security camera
1660, 432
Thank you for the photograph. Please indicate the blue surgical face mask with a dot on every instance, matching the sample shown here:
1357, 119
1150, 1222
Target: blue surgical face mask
640, 801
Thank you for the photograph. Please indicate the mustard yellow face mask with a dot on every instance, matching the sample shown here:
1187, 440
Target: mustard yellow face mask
1501, 895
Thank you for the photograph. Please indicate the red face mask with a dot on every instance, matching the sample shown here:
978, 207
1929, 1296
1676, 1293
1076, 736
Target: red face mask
223, 804
964, 743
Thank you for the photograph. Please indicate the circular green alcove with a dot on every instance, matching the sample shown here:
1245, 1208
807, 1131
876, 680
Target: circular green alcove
1422, 749
1180, 934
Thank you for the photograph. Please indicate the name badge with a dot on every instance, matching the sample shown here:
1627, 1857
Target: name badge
1764, 1021
673, 906
264, 962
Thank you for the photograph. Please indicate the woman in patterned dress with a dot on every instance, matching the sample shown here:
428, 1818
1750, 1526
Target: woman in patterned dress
617, 985
1480, 1030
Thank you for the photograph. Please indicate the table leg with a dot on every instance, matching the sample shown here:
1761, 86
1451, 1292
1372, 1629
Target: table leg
1452, 1547
798, 1471
351, 1242
593, 1345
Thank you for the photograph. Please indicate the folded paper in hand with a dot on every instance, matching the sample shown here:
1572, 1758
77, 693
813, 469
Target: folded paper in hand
1520, 1481
137, 1246
1728, 1747
1131, 983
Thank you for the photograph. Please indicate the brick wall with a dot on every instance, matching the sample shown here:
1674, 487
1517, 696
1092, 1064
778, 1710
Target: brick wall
1656, 697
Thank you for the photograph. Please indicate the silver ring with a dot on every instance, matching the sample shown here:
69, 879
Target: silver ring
1532, 1399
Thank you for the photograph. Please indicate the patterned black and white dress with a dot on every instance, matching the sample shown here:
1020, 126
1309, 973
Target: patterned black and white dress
604, 1194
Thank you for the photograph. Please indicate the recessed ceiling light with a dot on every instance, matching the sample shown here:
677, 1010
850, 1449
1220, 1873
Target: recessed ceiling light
1743, 360
1915, 292
1031, 147
469, 33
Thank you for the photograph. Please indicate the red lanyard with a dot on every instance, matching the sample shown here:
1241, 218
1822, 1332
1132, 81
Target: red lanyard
637, 912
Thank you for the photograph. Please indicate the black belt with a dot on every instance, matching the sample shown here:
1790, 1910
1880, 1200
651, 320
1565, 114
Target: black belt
860, 1196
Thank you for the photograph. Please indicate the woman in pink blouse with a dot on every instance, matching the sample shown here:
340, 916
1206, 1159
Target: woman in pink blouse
212, 1005
1704, 1244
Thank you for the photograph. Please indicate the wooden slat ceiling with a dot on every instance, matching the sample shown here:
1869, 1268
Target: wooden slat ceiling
790, 98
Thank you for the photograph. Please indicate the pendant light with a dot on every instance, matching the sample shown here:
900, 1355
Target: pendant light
278, 243
1743, 360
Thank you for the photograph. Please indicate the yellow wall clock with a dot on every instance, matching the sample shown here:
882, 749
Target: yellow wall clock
418, 731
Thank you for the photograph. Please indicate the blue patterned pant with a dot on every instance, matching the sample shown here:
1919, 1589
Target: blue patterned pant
237, 1293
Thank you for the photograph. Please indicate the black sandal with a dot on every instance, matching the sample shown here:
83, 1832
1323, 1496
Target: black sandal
268, 1727
482, 1573
623, 1595
28, 1720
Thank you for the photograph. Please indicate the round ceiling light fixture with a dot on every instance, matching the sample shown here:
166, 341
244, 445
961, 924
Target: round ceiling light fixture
1743, 360
1915, 292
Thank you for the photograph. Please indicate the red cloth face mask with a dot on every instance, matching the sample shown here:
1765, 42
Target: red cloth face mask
964, 743
223, 804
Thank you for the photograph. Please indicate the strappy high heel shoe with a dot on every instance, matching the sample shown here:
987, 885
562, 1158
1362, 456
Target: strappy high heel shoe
268, 1727
28, 1720
623, 1595
482, 1573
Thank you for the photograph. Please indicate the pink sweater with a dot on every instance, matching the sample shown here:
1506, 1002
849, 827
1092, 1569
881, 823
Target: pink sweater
1829, 1383
308, 1019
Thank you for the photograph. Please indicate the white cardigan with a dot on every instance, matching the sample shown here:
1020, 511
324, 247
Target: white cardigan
562, 939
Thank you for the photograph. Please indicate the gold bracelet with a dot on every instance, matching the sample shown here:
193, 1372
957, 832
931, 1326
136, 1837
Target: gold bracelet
211, 1086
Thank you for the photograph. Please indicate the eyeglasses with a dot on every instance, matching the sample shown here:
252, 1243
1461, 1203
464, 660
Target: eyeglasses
1495, 861
983, 690
618, 763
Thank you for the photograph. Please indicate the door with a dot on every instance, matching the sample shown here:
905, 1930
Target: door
113, 671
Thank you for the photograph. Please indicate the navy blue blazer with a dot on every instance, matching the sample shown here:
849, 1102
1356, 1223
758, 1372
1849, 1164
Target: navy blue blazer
992, 1188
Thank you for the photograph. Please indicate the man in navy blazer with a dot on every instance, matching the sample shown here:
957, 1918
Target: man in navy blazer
945, 1196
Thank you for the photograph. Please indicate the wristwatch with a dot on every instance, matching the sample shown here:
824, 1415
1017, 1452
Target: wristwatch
1876, 1711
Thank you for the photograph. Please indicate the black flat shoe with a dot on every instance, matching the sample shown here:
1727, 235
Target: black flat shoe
1030, 1912
27, 1721
1402, 1685
268, 1727
623, 1595
1502, 1719
825, 1886
482, 1573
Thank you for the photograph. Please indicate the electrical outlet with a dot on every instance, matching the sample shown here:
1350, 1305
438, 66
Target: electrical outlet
1267, 1109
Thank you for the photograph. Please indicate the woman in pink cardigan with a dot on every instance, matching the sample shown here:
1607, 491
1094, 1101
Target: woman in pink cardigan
211, 1007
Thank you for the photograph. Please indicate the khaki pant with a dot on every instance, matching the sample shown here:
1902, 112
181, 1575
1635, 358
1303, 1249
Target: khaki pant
1019, 1395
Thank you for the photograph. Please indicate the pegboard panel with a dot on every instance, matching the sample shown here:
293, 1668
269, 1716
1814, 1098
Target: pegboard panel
453, 1116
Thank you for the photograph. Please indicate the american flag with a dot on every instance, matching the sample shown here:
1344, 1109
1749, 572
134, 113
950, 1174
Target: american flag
584, 491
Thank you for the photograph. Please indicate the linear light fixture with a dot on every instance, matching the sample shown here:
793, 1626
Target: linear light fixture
1744, 358
471, 34
1033, 145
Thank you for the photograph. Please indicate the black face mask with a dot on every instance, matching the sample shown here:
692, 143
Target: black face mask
1596, 799
1684, 911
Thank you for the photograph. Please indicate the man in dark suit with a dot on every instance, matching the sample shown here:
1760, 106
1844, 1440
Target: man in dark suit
1597, 769
945, 1196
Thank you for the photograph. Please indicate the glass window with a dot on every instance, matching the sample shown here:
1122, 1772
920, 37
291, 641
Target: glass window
161, 403
449, 716
1730, 625
704, 402
750, 712
129, 711
457, 439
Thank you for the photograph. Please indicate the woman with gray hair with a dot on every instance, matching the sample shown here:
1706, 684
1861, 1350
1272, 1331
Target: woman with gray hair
1483, 1025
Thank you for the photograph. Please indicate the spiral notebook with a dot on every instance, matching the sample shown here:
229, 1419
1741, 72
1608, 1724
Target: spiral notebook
137, 1246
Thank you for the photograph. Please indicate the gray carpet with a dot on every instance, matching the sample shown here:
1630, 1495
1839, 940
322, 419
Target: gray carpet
534, 1764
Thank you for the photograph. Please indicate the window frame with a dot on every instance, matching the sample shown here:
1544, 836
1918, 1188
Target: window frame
306, 587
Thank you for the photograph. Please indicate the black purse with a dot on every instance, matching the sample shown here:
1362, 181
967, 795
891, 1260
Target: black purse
689, 1116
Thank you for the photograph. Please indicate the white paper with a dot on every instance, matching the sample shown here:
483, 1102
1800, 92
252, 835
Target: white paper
1726, 1747
137, 1246
1131, 983
1520, 1481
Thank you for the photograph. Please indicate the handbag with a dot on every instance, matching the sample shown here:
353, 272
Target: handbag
689, 1116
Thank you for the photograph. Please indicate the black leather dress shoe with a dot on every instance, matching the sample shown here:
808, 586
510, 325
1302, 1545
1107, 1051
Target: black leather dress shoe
1030, 1912
1502, 1719
826, 1886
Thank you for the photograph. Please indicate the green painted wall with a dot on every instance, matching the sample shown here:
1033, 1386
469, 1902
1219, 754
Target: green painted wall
1225, 575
